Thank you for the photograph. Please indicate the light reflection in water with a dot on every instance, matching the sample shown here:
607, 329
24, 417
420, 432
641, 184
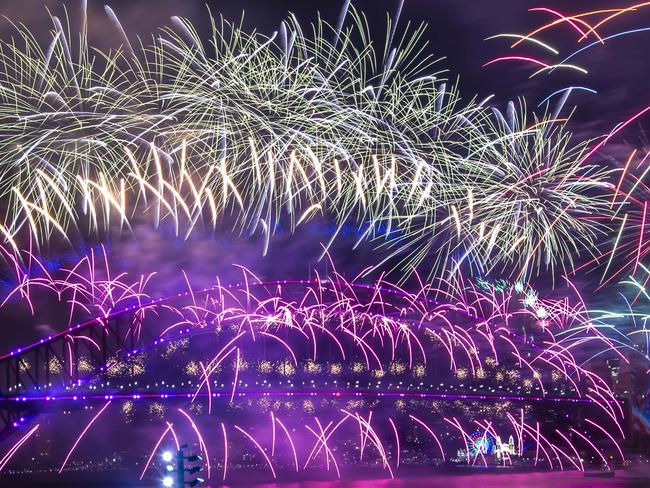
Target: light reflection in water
515, 480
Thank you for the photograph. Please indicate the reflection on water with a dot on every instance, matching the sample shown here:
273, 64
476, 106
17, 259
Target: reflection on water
515, 480
638, 477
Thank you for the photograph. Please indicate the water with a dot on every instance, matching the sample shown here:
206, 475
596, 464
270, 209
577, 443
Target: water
477, 480
634, 478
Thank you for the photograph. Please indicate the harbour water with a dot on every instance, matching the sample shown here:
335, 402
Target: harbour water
628, 479
638, 477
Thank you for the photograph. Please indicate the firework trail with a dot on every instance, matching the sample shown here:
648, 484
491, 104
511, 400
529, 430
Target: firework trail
250, 132
590, 29
348, 329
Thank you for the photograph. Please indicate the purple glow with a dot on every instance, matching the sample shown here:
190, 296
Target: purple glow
366, 394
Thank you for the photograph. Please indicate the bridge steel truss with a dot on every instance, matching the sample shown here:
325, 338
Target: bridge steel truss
53, 364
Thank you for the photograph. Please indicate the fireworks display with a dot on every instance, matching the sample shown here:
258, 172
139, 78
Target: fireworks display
257, 133
497, 316
330, 349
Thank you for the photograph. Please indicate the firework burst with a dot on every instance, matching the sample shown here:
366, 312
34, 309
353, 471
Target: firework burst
254, 131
